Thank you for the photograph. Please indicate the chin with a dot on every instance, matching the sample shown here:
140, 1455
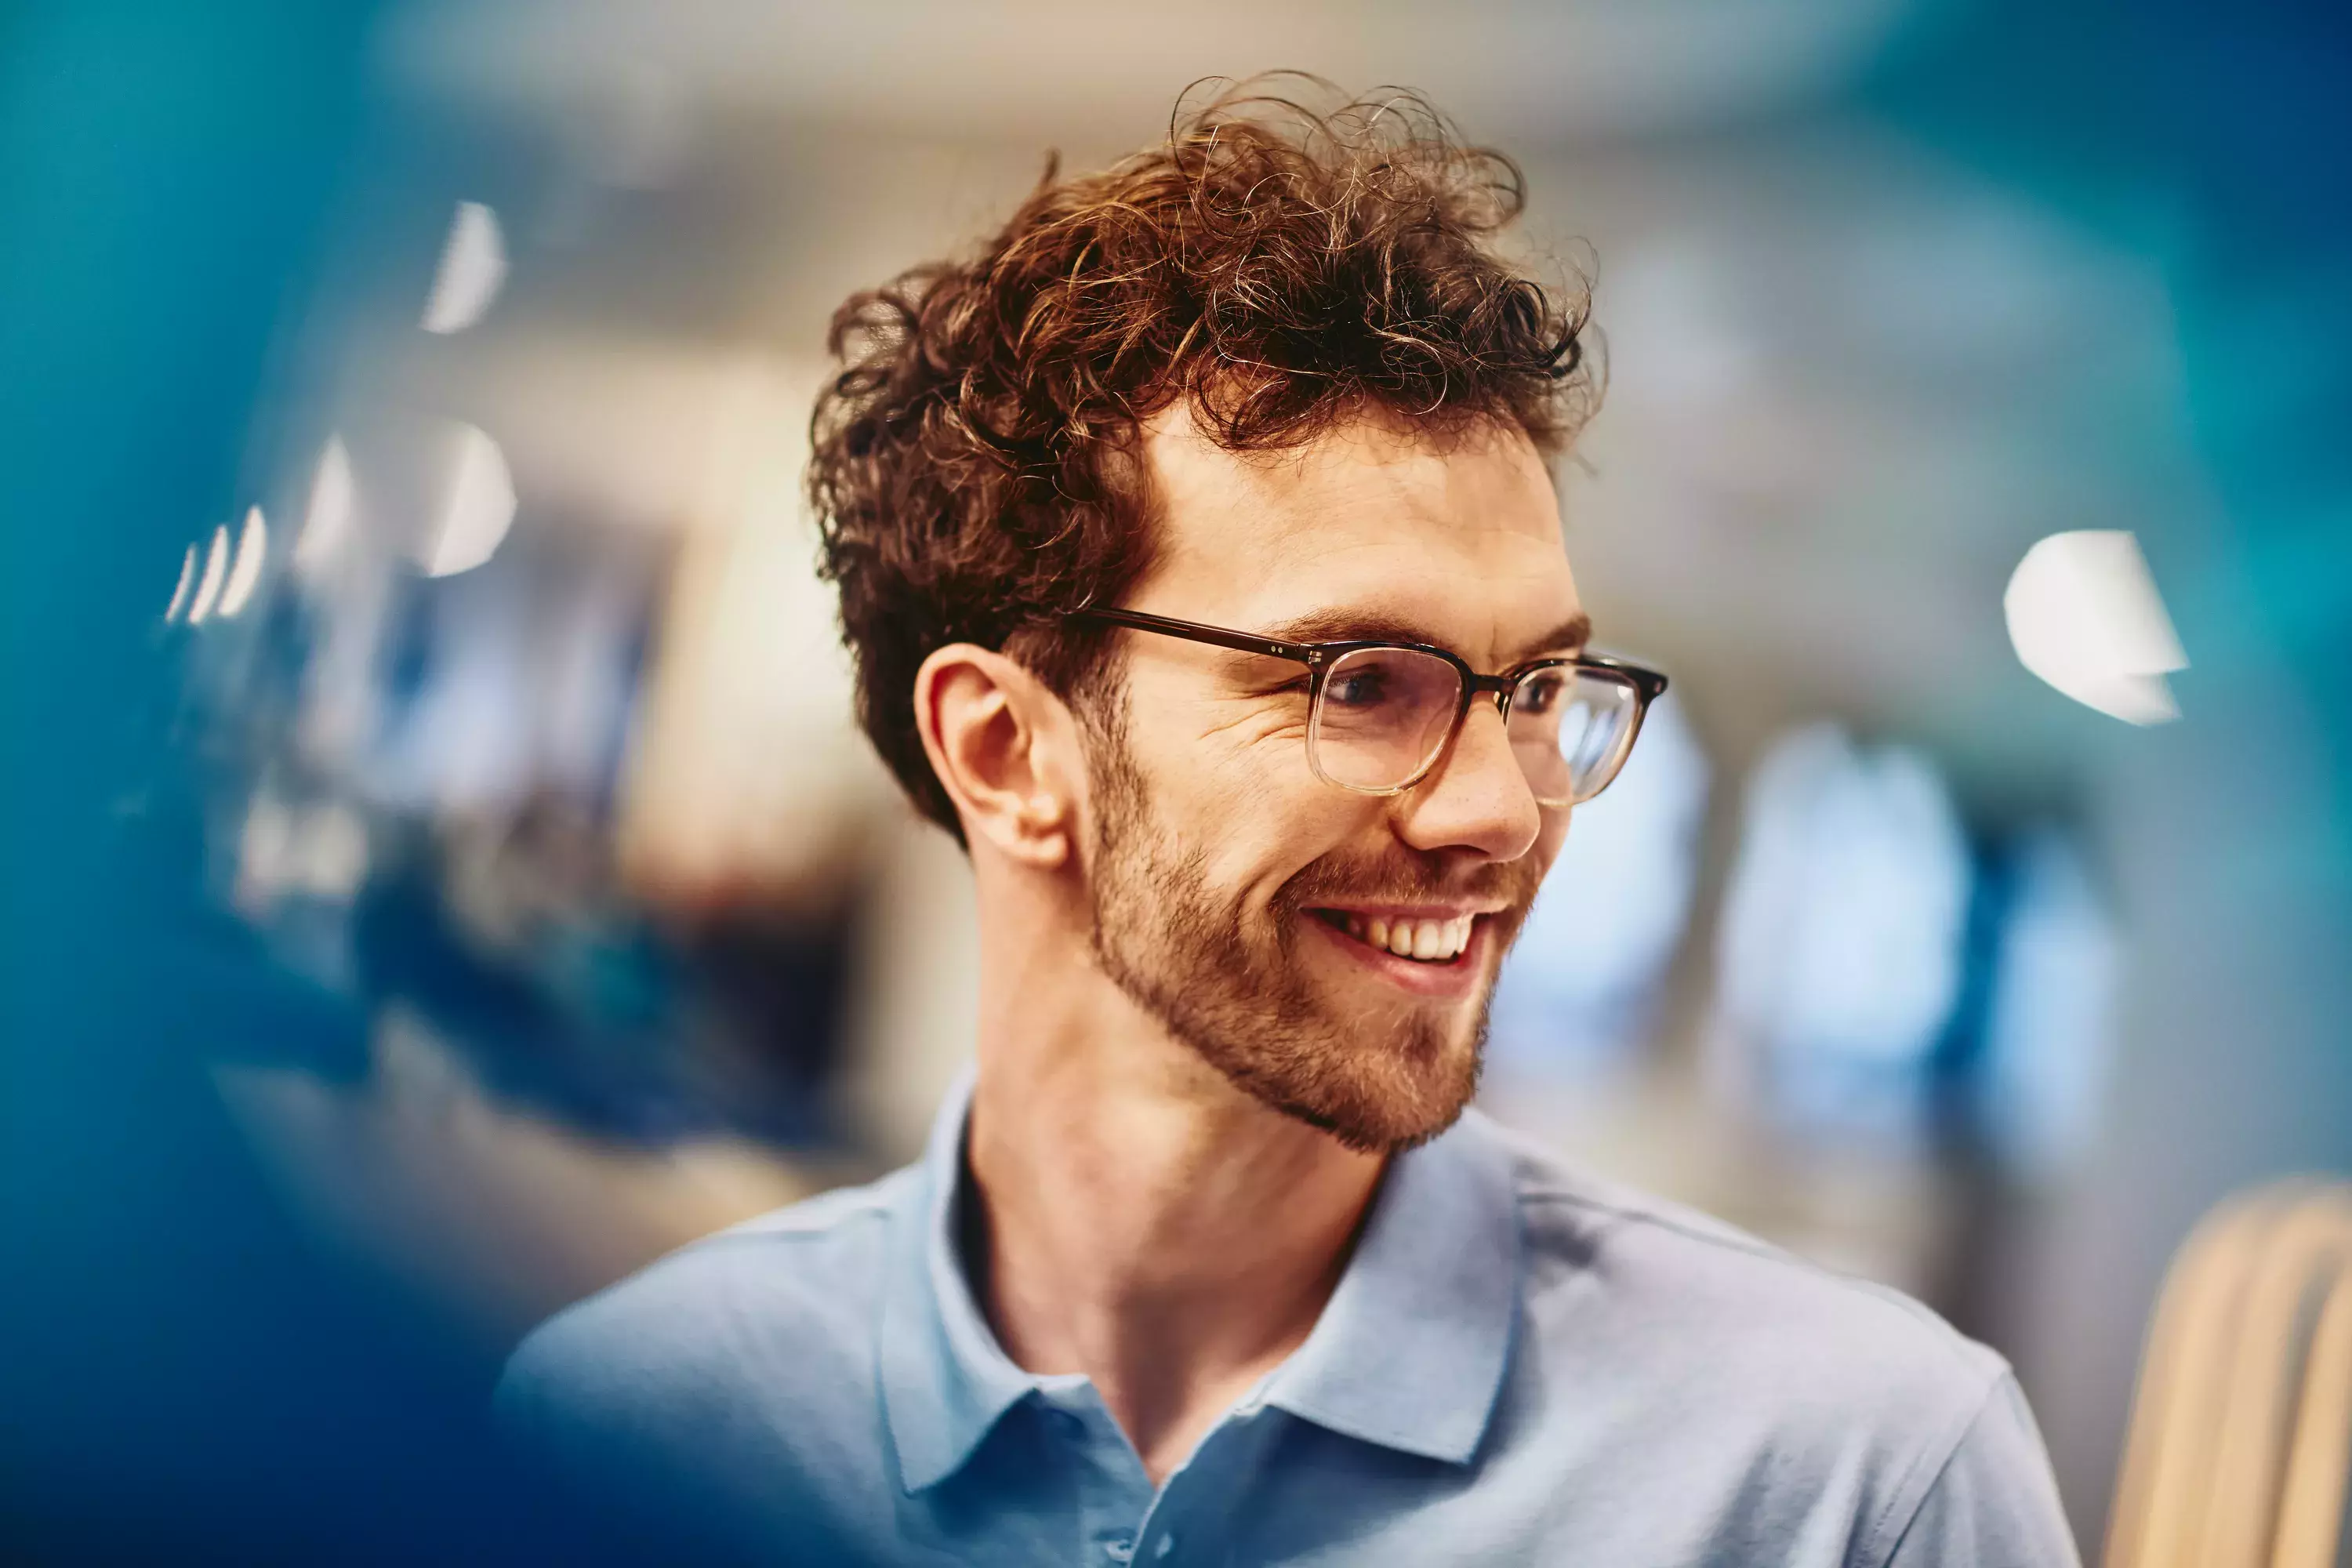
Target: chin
1387, 1089
1389, 1128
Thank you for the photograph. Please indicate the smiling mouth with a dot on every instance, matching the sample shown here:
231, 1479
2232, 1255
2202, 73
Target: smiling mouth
1436, 943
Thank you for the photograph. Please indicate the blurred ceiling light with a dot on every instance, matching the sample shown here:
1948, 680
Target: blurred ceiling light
1839, 943
252, 548
2084, 616
200, 608
473, 265
187, 581
479, 512
328, 522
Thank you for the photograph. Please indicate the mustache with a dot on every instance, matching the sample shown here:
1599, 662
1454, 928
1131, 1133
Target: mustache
1407, 877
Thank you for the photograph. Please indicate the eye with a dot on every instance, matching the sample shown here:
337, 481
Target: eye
1363, 688
1539, 693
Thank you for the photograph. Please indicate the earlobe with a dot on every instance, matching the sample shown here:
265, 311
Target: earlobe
991, 730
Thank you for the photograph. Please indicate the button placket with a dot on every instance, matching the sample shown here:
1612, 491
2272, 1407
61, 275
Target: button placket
1112, 1492
1230, 1449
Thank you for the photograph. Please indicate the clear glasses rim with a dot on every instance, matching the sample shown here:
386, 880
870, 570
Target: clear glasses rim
1317, 655
1651, 682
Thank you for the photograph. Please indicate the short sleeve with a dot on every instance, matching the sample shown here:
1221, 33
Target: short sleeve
1995, 1504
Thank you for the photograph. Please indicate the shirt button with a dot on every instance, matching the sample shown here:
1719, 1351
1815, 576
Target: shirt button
1167, 1545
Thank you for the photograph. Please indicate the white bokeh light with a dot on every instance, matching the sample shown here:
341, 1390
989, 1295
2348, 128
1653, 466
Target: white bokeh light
187, 585
327, 523
473, 266
478, 511
208, 590
244, 575
2084, 616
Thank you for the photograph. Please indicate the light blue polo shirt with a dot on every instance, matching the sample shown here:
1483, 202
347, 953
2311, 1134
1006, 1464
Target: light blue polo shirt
1522, 1365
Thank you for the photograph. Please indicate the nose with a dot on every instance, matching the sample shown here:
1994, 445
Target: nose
1477, 797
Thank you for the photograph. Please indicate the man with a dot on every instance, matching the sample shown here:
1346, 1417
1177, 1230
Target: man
1197, 547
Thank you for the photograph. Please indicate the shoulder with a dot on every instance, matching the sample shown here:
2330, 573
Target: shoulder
1793, 1404
776, 1301
1701, 1314
724, 1396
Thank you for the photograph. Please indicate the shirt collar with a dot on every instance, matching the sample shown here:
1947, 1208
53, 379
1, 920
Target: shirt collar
1409, 1353
1410, 1350
945, 1380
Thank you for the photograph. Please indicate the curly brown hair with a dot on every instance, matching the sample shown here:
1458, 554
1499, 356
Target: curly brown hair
977, 472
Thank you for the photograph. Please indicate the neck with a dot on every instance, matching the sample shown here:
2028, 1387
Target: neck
1143, 1221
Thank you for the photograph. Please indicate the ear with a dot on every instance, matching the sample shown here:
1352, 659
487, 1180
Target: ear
1005, 748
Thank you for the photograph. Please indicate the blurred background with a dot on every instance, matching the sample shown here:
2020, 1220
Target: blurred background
442, 873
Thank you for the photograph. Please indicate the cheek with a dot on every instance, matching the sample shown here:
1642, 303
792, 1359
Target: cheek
1254, 833
1255, 847
1225, 778
1242, 797
1304, 827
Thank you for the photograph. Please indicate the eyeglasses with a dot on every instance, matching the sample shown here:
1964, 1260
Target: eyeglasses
1381, 713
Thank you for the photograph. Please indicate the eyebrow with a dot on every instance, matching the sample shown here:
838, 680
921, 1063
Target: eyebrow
1374, 625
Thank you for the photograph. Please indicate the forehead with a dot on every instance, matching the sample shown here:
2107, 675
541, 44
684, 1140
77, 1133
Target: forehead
1460, 541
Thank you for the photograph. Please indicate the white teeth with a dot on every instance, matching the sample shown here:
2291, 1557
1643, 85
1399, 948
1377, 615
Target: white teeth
1430, 942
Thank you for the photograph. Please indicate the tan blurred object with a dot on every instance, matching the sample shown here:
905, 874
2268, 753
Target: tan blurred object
748, 781
2240, 1436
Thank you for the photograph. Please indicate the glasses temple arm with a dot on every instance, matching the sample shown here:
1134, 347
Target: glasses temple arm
1193, 631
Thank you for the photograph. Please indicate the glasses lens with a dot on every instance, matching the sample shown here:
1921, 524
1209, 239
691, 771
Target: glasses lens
1382, 716
1573, 729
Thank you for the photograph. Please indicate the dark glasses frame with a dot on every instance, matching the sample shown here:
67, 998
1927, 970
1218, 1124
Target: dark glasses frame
1319, 657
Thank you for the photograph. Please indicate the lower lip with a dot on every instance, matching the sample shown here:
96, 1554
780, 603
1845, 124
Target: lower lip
1450, 981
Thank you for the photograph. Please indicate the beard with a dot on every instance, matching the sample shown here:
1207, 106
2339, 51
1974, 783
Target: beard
1383, 1077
